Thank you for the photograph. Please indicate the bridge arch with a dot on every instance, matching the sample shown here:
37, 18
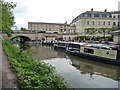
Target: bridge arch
24, 38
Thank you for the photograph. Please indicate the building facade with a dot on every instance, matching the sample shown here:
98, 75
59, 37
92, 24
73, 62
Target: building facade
78, 26
59, 28
95, 19
52, 30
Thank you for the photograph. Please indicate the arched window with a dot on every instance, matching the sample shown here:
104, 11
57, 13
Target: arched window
114, 23
93, 22
88, 22
108, 22
103, 22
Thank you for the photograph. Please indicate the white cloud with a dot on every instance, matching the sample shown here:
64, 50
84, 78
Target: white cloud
57, 11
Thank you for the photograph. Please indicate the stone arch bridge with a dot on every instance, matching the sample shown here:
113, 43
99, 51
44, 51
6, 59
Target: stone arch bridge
33, 36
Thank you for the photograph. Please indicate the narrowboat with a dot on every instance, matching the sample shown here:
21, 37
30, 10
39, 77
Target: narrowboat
61, 45
101, 52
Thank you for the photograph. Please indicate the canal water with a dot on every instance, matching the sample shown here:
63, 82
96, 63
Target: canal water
79, 72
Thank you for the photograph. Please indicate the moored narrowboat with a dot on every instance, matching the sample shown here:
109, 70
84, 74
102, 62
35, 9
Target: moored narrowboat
101, 52
61, 45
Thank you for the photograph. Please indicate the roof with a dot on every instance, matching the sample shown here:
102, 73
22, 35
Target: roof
95, 13
48, 23
116, 12
78, 43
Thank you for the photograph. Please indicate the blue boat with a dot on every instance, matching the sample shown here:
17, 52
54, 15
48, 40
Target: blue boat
101, 52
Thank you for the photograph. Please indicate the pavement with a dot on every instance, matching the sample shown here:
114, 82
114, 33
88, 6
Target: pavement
7, 77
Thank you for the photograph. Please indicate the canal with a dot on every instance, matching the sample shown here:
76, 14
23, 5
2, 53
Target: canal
79, 72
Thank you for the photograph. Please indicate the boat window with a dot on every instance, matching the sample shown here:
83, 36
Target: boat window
88, 50
74, 46
61, 44
105, 48
115, 48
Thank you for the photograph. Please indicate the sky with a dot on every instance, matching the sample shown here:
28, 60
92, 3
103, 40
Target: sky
56, 11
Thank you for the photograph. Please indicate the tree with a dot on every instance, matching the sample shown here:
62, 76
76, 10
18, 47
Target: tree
114, 29
7, 17
23, 29
105, 31
90, 31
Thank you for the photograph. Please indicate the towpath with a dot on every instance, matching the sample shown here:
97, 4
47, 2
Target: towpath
7, 77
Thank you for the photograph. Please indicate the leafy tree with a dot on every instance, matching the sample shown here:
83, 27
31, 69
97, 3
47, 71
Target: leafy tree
7, 17
114, 29
103, 31
90, 31
23, 29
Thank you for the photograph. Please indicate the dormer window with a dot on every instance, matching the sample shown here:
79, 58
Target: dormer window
92, 15
114, 16
100, 15
85, 15
96, 15
104, 15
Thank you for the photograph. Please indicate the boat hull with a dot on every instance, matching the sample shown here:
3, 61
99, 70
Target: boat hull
93, 57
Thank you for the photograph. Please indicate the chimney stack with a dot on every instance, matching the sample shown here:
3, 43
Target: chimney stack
91, 9
105, 10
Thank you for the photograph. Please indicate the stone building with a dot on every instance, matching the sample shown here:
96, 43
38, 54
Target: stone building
49, 27
78, 26
95, 19
52, 30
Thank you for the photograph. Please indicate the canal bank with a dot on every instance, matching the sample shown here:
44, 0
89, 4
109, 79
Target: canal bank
31, 73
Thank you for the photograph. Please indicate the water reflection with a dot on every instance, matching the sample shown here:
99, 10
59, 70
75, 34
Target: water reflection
43, 52
79, 72
94, 67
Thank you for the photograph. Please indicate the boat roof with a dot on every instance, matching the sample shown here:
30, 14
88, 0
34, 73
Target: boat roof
62, 42
78, 43
105, 46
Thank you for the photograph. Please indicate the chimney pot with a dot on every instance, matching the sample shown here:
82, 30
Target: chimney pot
91, 9
105, 10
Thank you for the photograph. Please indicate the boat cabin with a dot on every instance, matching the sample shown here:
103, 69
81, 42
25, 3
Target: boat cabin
95, 51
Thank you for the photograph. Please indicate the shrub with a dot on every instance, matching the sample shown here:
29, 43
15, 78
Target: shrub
31, 73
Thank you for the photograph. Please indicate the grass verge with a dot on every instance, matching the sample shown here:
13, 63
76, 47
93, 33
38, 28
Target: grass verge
31, 73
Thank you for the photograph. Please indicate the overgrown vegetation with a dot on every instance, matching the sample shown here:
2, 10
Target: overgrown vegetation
7, 17
23, 29
30, 72
109, 38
